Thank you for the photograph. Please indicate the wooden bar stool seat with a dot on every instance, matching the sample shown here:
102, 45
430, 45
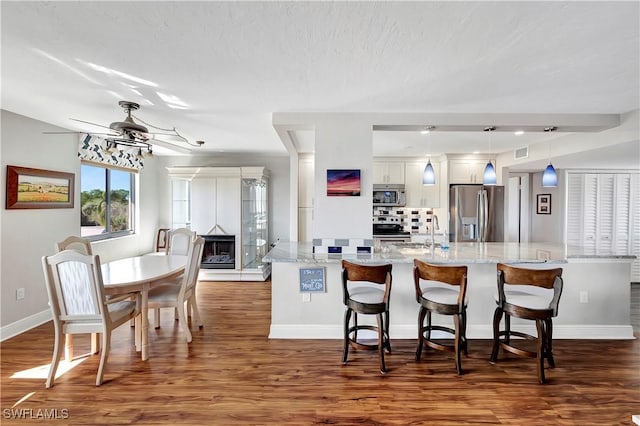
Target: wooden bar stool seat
531, 294
441, 290
366, 290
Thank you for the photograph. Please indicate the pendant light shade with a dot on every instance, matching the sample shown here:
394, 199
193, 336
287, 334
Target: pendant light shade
428, 177
489, 177
549, 177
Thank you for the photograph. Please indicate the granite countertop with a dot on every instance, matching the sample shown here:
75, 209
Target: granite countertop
294, 252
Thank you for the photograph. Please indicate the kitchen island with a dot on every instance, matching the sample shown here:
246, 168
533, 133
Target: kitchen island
595, 302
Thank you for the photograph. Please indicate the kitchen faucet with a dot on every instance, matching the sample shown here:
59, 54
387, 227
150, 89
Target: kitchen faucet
434, 225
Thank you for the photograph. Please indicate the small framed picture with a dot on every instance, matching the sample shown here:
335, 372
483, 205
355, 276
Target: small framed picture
543, 206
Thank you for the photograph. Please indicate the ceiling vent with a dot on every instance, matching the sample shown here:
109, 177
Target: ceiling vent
521, 153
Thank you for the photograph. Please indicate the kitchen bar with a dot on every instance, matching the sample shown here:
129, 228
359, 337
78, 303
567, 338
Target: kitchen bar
594, 303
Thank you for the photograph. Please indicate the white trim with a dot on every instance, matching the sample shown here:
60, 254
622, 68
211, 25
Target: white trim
485, 331
24, 324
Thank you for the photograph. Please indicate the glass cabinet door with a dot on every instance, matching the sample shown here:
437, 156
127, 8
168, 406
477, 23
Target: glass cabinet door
254, 222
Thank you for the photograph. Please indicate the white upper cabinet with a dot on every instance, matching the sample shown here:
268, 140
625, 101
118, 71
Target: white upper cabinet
388, 172
466, 171
419, 195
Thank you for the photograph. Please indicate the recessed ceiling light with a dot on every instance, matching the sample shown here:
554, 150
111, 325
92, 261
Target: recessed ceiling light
427, 129
518, 132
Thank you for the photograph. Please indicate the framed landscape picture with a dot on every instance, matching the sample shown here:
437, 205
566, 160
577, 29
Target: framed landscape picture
38, 189
343, 182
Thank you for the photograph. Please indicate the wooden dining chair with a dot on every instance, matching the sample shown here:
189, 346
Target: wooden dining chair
170, 295
180, 240
162, 239
441, 290
81, 245
366, 290
79, 305
531, 294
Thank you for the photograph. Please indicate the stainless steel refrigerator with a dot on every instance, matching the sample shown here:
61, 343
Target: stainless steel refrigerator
476, 213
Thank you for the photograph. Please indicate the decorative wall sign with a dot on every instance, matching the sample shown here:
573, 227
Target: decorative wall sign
312, 280
38, 189
543, 205
343, 182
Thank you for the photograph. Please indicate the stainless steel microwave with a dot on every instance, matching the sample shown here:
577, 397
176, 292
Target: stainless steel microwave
389, 195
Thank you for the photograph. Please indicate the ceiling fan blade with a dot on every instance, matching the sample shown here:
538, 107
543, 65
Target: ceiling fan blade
61, 133
88, 122
176, 148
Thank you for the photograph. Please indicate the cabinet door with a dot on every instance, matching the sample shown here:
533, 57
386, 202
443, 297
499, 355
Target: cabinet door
203, 204
305, 182
466, 171
228, 202
419, 195
388, 172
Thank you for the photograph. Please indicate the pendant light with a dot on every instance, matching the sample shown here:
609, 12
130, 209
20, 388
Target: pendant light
550, 177
489, 177
429, 176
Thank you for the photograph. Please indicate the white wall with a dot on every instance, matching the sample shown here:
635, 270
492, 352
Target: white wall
27, 235
343, 143
278, 167
547, 228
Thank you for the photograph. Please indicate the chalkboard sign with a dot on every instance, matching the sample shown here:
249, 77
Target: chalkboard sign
312, 280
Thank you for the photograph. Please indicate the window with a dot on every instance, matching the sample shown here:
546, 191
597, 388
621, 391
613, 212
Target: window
106, 201
181, 199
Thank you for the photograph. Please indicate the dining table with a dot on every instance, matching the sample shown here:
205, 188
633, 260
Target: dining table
139, 274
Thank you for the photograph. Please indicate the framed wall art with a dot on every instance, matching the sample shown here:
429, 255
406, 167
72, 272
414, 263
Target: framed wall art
543, 205
343, 182
38, 189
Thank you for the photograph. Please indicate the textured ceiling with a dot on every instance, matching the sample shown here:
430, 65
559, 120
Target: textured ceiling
217, 71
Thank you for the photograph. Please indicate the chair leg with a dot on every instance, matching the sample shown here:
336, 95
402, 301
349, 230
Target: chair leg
428, 334
106, 345
58, 348
68, 347
463, 331
347, 320
507, 328
542, 338
456, 343
421, 316
383, 368
95, 343
387, 340
497, 316
196, 312
156, 317
549, 343
183, 320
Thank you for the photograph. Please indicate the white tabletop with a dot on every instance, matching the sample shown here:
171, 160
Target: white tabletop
141, 269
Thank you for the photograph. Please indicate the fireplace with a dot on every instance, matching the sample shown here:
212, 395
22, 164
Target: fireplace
219, 252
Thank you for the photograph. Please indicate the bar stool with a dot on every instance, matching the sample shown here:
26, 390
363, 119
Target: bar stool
365, 290
441, 290
531, 294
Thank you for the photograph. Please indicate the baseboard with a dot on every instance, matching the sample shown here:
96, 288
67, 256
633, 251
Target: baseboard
24, 324
401, 331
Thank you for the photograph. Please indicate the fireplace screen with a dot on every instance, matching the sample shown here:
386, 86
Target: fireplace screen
219, 252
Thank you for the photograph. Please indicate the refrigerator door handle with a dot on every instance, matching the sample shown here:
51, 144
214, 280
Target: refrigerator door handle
485, 216
479, 220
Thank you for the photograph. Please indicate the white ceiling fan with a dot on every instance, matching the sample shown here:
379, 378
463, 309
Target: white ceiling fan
130, 133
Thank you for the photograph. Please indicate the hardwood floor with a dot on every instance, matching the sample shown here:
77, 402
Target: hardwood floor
232, 373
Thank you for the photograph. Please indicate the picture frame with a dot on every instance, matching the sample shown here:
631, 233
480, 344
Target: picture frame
543, 204
29, 188
343, 182
312, 280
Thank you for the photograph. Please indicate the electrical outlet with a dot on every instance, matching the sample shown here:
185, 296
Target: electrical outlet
584, 297
306, 297
20, 293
